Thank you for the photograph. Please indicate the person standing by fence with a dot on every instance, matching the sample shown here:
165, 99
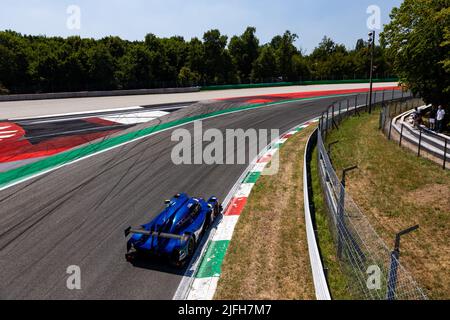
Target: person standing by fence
440, 116
433, 115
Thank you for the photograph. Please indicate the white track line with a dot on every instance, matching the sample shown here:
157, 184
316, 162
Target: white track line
80, 113
135, 118
7, 136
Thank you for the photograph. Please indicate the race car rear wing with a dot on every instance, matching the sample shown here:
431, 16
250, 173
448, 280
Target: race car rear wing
162, 235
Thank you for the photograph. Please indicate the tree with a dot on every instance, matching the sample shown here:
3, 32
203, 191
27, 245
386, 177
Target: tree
196, 57
244, 51
135, 68
326, 48
417, 43
100, 68
219, 67
30, 64
265, 66
187, 77
285, 51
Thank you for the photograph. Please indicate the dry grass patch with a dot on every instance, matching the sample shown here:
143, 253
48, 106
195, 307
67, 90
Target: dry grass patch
268, 256
396, 190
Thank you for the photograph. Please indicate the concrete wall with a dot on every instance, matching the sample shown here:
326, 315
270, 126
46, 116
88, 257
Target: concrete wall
90, 94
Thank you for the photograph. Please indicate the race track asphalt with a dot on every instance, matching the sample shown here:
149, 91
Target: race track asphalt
76, 215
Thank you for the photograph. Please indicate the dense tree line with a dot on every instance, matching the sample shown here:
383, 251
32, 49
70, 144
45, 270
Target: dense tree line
52, 64
417, 41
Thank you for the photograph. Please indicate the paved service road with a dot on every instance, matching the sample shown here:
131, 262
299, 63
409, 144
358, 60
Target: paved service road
76, 215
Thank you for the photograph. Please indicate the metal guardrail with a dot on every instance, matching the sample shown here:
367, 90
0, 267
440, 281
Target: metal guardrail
374, 272
319, 278
424, 141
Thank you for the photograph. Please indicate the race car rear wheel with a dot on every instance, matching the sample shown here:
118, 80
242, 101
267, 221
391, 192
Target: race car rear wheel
191, 247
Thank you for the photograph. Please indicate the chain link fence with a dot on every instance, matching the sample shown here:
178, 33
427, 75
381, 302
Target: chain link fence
374, 271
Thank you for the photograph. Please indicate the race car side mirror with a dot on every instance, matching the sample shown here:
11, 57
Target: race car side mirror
167, 202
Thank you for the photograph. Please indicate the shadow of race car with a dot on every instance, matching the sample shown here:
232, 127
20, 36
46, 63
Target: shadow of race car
175, 232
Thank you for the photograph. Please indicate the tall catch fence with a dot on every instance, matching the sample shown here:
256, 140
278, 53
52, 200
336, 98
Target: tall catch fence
373, 270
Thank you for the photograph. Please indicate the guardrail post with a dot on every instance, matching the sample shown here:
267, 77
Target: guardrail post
395, 256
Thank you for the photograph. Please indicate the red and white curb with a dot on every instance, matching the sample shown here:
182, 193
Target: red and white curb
206, 271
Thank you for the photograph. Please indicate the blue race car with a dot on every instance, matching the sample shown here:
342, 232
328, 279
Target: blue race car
176, 232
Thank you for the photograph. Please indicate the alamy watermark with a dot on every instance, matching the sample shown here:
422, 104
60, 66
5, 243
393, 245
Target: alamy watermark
73, 282
374, 279
215, 147
374, 19
73, 21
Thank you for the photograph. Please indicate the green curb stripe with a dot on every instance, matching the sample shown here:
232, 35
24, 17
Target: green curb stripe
277, 145
212, 261
252, 177
49, 163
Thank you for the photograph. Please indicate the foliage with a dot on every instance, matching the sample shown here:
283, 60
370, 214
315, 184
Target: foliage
30, 64
418, 43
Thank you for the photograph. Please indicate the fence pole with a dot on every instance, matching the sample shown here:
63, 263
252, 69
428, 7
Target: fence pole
367, 102
401, 135
326, 125
392, 282
381, 119
420, 143
340, 109
445, 154
395, 256
340, 221
390, 129
341, 210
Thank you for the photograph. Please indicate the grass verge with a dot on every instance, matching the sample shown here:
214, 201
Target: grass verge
337, 281
268, 255
396, 190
